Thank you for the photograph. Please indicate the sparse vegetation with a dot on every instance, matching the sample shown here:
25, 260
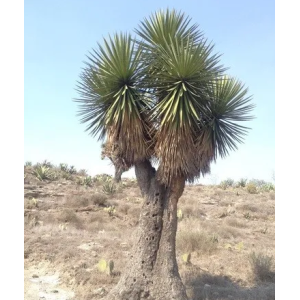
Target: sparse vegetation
111, 210
241, 183
103, 225
201, 242
261, 265
67, 169
47, 164
99, 199
251, 188
86, 181
83, 172
109, 188
226, 183
267, 187
43, 173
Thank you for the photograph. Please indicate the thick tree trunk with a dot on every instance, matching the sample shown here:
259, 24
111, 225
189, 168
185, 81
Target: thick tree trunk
152, 272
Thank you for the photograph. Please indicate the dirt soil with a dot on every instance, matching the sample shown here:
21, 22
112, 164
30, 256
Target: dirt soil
70, 227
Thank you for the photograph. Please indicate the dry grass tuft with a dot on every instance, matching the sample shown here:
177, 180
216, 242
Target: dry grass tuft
70, 217
190, 241
262, 267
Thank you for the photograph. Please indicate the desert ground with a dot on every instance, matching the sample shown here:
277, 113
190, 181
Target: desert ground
76, 226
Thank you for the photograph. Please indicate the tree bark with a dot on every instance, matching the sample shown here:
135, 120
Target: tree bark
118, 174
152, 271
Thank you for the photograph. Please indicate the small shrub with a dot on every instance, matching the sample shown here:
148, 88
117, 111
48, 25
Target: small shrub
262, 266
247, 216
242, 182
66, 169
31, 203
99, 199
251, 188
43, 173
267, 187
69, 216
109, 188
63, 167
66, 175
82, 172
258, 182
229, 182
47, 164
72, 170
223, 185
103, 178
189, 241
28, 164
226, 183
87, 181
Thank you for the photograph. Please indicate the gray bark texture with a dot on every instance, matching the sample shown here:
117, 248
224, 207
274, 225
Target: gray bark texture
152, 271
118, 174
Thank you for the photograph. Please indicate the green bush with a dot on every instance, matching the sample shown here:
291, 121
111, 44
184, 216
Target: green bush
241, 183
43, 173
72, 170
87, 181
63, 167
109, 188
267, 187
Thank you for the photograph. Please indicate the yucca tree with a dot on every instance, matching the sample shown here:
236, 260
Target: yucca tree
161, 98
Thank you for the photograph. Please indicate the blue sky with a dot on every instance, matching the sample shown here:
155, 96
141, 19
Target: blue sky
58, 35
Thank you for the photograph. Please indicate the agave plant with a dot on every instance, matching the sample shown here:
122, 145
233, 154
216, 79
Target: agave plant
43, 173
161, 98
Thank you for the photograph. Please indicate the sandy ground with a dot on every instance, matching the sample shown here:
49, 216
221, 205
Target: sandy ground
41, 283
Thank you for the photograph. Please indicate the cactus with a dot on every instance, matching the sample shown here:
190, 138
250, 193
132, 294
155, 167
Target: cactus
110, 267
104, 266
186, 257
179, 214
34, 202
